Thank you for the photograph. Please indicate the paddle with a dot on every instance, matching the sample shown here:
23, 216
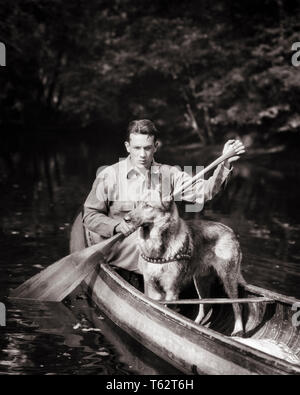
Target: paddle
59, 279
201, 173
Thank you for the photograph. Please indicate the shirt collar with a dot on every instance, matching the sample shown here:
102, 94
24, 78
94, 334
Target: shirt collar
131, 170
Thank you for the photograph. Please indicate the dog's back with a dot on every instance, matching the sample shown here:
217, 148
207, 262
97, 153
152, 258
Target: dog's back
214, 244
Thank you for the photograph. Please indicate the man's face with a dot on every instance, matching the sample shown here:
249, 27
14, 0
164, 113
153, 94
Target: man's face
141, 148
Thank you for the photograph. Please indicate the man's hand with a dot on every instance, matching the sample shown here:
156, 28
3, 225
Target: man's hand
125, 227
237, 146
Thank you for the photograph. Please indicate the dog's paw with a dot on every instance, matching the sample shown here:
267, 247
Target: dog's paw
238, 334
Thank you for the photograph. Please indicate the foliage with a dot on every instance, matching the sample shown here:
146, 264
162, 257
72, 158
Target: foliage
198, 68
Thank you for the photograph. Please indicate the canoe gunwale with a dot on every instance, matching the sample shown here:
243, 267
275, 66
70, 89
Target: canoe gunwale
277, 297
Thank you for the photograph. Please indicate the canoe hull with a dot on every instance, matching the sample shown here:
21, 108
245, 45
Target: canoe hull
191, 348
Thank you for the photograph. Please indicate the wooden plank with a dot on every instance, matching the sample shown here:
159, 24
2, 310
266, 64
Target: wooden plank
271, 294
259, 299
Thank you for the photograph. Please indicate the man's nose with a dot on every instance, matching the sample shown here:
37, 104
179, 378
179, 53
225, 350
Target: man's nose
143, 152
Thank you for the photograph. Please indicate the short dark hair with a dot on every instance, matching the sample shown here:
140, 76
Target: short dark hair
142, 126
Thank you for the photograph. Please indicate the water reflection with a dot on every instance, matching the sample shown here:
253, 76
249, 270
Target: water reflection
40, 339
51, 338
41, 192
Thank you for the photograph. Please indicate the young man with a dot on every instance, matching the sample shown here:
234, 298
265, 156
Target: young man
118, 189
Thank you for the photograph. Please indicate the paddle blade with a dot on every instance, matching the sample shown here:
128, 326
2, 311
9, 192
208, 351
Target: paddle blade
56, 281
59, 279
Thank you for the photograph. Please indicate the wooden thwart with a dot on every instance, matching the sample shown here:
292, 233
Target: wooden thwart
218, 301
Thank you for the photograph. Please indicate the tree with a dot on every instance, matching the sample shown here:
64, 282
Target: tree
200, 69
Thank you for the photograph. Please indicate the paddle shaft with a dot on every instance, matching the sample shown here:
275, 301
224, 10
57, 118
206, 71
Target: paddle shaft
218, 301
201, 173
100, 248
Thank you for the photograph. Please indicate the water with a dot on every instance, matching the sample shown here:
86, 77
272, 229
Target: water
55, 338
41, 194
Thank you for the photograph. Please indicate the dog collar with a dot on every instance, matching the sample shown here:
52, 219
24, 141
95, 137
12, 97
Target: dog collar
179, 256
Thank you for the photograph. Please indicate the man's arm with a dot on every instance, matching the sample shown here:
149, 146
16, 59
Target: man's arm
205, 190
96, 208
211, 187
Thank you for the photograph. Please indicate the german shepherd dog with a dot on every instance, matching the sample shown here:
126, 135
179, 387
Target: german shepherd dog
175, 253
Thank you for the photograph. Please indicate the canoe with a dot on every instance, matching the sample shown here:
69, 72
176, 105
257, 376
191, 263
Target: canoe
271, 344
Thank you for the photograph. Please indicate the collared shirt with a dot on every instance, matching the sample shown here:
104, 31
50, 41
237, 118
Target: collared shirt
119, 187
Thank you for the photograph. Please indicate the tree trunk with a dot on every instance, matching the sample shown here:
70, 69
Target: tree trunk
280, 18
190, 117
208, 126
54, 79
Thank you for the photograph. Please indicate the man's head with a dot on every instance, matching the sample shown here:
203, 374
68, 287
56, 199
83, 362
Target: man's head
141, 142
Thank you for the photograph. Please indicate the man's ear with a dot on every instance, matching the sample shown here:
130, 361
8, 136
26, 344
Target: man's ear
127, 145
156, 144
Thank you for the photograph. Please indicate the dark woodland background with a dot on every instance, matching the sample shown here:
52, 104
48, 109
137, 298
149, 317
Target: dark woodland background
201, 69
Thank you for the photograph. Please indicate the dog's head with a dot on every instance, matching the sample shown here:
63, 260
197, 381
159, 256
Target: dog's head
151, 209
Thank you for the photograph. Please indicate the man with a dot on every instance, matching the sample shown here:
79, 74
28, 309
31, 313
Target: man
118, 188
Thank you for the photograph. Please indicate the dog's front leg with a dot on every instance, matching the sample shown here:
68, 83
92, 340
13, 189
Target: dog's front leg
152, 291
